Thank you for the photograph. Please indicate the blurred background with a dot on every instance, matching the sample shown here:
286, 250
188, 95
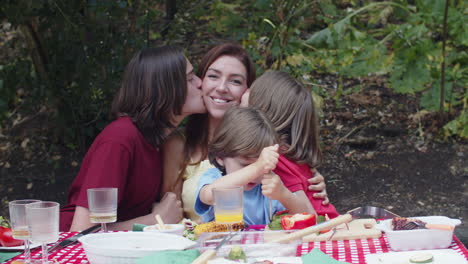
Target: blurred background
389, 77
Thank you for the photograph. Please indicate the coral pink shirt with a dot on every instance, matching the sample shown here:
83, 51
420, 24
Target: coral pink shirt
119, 157
294, 177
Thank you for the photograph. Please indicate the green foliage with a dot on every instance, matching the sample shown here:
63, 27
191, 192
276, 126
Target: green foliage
407, 49
78, 49
457, 127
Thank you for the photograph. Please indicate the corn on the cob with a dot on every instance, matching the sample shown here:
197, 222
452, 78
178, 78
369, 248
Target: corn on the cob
217, 227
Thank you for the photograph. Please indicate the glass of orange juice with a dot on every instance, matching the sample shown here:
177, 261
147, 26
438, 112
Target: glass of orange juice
228, 205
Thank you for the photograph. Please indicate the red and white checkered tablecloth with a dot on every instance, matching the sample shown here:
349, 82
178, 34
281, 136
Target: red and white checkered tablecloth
352, 251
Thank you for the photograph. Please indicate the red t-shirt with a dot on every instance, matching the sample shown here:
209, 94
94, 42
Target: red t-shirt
119, 157
294, 177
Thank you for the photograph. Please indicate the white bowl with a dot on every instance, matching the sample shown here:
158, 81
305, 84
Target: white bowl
176, 229
127, 247
419, 238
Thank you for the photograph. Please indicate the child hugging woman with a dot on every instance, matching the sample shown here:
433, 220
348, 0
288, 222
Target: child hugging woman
245, 151
290, 108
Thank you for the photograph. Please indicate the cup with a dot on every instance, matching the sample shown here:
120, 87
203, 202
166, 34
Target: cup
19, 224
228, 205
102, 203
43, 223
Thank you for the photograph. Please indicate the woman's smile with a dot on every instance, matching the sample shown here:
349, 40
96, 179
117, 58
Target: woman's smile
223, 85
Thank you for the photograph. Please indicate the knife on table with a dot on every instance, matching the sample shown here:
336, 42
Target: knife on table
73, 239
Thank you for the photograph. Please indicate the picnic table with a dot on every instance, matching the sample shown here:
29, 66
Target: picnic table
351, 251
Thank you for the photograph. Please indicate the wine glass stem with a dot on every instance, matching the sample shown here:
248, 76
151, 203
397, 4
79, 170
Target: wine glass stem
104, 227
27, 252
45, 254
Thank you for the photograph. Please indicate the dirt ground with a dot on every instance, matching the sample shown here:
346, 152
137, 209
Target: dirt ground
378, 150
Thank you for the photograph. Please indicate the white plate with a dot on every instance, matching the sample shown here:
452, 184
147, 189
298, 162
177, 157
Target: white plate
441, 256
18, 248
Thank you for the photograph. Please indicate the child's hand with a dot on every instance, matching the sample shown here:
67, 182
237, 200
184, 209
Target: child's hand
267, 160
273, 187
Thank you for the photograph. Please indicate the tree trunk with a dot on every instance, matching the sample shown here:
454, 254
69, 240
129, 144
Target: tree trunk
171, 10
37, 51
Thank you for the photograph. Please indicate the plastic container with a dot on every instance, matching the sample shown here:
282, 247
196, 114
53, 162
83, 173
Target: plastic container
254, 243
176, 229
127, 247
403, 240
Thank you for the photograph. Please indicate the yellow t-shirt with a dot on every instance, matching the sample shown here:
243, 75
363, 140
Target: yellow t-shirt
189, 188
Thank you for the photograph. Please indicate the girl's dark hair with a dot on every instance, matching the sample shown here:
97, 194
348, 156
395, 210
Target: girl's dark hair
290, 108
153, 90
197, 126
243, 132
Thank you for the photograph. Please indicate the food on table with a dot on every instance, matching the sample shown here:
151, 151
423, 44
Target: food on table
422, 258
403, 223
321, 219
237, 253
263, 262
189, 231
6, 236
297, 221
217, 227
284, 221
275, 223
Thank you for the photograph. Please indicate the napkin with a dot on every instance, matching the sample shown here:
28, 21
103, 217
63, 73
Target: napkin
4, 256
317, 256
171, 257
138, 227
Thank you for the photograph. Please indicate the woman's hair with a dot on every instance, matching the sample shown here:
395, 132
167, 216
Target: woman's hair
290, 108
197, 128
153, 90
243, 132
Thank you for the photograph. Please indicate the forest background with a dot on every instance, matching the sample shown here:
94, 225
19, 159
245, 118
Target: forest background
389, 78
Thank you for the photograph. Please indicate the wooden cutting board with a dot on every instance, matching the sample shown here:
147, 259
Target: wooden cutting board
356, 229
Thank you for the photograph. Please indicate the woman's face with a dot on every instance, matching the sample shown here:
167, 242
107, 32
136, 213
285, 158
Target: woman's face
224, 84
194, 101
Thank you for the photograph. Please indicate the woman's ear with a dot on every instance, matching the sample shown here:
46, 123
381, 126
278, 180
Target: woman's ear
220, 161
245, 99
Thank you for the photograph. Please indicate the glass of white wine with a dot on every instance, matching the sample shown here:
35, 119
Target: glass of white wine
19, 224
43, 223
102, 203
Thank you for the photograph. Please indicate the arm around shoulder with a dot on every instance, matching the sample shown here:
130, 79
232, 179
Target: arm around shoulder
173, 161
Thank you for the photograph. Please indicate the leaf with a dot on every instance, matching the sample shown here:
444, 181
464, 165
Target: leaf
410, 70
341, 26
296, 59
328, 7
268, 21
358, 35
430, 100
458, 126
321, 38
